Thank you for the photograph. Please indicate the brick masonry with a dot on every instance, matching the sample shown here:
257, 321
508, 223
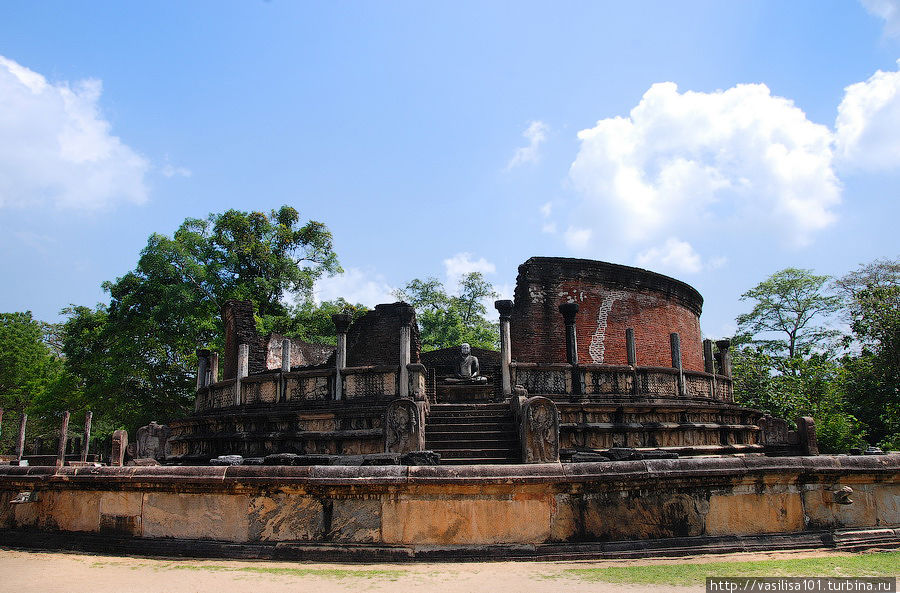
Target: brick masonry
611, 298
374, 338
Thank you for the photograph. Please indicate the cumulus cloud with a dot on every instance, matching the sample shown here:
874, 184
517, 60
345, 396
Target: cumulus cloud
463, 263
577, 239
674, 255
887, 10
867, 123
56, 148
535, 133
356, 286
681, 160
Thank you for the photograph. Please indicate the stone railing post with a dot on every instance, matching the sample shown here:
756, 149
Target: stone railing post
675, 342
63, 437
505, 307
724, 347
709, 365
569, 310
213, 368
631, 358
406, 317
243, 369
20, 443
119, 444
341, 324
202, 368
88, 416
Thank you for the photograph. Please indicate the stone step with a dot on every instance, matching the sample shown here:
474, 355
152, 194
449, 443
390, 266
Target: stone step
452, 435
458, 407
471, 427
472, 444
480, 461
502, 453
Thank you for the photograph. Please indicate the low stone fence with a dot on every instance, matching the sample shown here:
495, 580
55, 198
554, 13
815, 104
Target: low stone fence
310, 385
464, 507
595, 381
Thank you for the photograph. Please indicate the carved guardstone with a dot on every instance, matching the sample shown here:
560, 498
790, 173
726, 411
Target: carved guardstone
151, 441
403, 427
540, 431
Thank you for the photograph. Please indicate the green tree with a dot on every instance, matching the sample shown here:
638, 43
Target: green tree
135, 358
311, 322
871, 377
448, 320
784, 361
790, 304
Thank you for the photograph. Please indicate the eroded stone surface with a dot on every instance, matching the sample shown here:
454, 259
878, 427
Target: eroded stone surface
355, 520
744, 514
196, 516
281, 517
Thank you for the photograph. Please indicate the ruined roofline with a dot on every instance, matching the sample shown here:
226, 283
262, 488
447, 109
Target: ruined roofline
542, 268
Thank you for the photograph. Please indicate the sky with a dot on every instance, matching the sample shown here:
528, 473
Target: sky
716, 142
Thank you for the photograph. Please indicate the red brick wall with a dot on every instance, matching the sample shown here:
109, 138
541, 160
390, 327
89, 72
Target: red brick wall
622, 297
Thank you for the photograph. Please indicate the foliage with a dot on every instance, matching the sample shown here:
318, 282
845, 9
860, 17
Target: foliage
448, 320
789, 303
311, 322
135, 359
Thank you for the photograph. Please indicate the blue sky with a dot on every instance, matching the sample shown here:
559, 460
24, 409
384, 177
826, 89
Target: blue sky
716, 142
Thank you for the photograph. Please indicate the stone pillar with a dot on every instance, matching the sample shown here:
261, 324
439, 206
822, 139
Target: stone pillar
243, 368
630, 350
341, 325
724, 347
213, 368
709, 365
202, 368
119, 444
20, 443
286, 355
63, 437
675, 342
406, 317
806, 431
1, 421
505, 307
87, 435
568, 311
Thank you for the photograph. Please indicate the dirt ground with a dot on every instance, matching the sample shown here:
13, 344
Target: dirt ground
55, 572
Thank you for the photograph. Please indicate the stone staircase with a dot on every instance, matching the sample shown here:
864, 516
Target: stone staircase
472, 434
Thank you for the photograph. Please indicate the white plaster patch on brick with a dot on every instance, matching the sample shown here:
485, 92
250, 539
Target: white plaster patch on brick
598, 347
537, 295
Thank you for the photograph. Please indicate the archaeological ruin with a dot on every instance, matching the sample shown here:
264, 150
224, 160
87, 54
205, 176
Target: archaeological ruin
605, 426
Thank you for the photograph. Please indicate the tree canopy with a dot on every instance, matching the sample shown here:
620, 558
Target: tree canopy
447, 320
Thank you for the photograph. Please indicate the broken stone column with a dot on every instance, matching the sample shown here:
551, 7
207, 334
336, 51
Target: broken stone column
806, 431
406, 316
630, 349
202, 368
119, 444
675, 343
724, 356
88, 416
709, 365
505, 307
63, 437
213, 368
286, 355
243, 369
20, 443
341, 325
569, 310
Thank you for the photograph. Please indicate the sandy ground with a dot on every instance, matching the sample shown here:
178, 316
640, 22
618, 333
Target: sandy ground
54, 572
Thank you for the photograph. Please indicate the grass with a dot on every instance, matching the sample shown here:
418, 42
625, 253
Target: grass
881, 564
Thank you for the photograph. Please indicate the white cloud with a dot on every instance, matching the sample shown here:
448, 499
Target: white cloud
887, 10
461, 264
549, 228
170, 170
577, 239
356, 286
674, 255
734, 159
868, 122
547, 209
56, 148
535, 133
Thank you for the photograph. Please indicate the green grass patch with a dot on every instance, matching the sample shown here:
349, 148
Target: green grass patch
881, 564
332, 573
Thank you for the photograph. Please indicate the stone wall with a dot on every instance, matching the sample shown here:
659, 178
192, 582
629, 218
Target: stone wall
611, 298
240, 328
469, 506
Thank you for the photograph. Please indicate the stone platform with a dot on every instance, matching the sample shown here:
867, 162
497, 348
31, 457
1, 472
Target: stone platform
489, 511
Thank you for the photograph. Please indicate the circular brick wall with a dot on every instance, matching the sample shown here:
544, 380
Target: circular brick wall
611, 298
